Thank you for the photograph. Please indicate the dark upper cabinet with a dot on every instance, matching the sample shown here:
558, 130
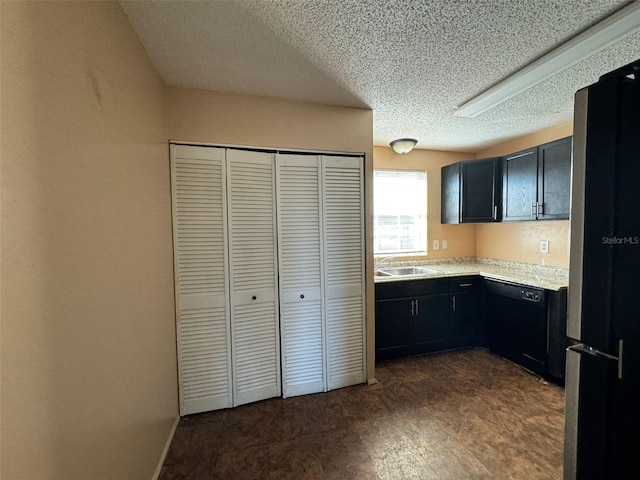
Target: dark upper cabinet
481, 191
450, 211
554, 179
536, 182
471, 191
519, 189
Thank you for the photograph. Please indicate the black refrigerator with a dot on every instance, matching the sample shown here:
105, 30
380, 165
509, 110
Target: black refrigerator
602, 429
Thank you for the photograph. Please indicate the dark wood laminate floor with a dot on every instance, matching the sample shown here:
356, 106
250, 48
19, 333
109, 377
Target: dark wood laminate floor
455, 415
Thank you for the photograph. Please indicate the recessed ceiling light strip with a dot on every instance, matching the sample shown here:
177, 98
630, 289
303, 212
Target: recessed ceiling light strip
612, 29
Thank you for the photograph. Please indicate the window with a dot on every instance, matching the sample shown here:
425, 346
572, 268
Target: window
400, 212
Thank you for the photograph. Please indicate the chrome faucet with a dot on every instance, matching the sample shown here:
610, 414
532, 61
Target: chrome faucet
379, 261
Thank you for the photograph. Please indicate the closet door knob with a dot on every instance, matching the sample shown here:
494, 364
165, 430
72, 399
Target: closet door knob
254, 297
301, 296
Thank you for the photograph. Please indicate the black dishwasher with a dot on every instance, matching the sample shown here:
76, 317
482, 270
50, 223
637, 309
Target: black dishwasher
517, 321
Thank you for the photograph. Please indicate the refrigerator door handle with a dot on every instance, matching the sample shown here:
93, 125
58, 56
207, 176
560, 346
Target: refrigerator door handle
620, 351
597, 353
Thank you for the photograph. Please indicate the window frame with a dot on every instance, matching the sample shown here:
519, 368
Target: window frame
422, 217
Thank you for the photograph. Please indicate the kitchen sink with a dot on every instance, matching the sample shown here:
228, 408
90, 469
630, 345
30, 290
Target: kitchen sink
380, 273
406, 271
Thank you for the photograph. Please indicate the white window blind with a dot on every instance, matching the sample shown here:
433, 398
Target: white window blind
400, 211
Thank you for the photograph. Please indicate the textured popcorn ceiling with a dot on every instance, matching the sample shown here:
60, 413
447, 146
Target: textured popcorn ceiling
412, 62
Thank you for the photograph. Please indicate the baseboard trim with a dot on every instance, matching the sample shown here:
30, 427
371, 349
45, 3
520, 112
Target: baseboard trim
156, 474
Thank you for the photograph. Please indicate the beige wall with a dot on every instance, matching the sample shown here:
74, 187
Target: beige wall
232, 119
88, 343
519, 241
461, 239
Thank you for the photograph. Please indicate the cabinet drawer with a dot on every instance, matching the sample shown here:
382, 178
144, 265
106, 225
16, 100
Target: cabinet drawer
411, 288
461, 284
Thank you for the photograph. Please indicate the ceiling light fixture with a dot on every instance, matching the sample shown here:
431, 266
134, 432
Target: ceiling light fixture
603, 34
403, 145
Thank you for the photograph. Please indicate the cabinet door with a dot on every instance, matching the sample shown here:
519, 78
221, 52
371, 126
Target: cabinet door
554, 179
463, 315
430, 323
300, 259
450, 194
520, 172
481, 191
200, 260
253, 271
343, 226
557, 333
394, 335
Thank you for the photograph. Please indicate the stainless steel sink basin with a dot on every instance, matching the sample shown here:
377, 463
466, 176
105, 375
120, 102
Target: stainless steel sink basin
380, 273
407, 271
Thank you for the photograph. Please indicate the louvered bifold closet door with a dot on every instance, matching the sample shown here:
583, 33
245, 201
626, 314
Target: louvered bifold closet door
300, 256
253, 269
344, 270
200, 246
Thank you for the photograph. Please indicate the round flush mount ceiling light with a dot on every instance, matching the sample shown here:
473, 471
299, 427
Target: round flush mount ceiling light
403, 145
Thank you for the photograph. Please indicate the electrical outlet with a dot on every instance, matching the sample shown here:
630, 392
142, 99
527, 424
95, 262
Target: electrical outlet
436, 244
445, 244
544, 246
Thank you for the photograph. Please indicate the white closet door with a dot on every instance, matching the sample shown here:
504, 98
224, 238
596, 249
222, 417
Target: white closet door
300, 262
200, 246
253, 271
344, 270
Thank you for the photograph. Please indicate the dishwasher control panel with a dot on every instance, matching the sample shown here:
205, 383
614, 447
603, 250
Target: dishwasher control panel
522, 293
531, 295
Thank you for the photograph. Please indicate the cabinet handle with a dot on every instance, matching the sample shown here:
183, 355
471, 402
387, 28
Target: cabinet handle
453, 303
417, 305
533, 210
254, 297
495, 212
302, 296
412, 311
539, 210
466, 284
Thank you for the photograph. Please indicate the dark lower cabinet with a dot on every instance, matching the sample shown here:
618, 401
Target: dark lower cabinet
394, 328
523, 324
423, 316
430, 323
465, 317
410, 317
557, 334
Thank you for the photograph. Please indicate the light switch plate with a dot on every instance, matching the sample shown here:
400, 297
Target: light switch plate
544, 246
436, 244
445, 244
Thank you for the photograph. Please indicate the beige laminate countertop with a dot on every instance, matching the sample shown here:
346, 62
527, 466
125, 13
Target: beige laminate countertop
550, 278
